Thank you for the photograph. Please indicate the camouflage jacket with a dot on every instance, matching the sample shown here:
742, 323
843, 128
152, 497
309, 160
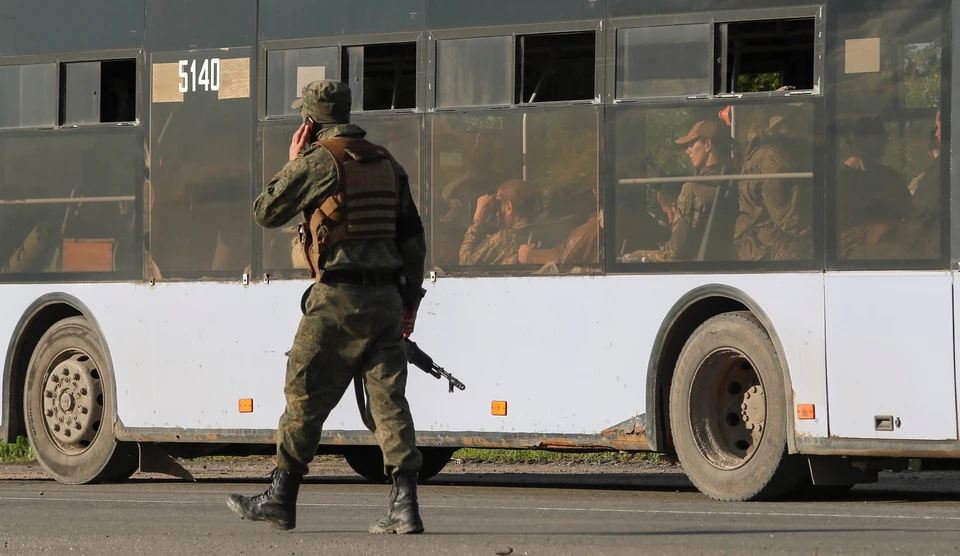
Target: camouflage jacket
307, 181
776, 216
502, 247
693, 208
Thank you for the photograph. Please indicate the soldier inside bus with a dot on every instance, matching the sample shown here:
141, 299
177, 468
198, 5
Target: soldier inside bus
479, 178
501, 224
687, 207
776, 215
924, 223
873, 201
580, 247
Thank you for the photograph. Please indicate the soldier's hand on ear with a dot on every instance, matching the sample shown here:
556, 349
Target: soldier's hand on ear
485, 208
299, 141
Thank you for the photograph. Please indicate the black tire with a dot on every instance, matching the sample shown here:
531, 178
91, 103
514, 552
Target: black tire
70, 407
367, 461
729, 415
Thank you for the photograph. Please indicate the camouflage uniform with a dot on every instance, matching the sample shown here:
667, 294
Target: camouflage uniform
499, 249
582, 247
693, 207
347, 331
872, 204
775, 221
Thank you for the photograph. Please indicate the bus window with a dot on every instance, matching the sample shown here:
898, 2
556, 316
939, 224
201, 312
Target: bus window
664, 61
888, 180
382, 76
99, 92
556, 67
767, 55
73, 216
714, 183
289, 70
536, 172
474, 72
28, 96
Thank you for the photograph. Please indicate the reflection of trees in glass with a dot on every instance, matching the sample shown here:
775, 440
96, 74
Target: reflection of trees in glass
562, 151
758, 82
920, 68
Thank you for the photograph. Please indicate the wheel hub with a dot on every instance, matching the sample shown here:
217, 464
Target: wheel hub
73, 402
728, 409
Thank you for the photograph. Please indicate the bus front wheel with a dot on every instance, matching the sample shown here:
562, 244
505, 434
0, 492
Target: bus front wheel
728, 412
69, 408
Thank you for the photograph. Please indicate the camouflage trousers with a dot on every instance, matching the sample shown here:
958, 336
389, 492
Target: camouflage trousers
347, 331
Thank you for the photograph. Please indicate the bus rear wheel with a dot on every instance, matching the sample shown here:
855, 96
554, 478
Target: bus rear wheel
69, 407
728, 412
367, 461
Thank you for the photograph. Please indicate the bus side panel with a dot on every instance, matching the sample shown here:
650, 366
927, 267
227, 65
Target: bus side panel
568, 354
890, 355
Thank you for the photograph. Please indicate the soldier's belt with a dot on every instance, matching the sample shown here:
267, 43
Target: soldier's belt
356, 278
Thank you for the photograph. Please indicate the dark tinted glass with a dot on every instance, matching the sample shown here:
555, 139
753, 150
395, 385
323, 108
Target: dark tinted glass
474, 72
535, 170
689, 186
664, 61
289, 70
888, 69
73, 216
199, 205
28, 96
383, 76
556, 67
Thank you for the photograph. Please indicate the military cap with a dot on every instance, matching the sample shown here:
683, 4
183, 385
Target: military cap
325, 101
706, 129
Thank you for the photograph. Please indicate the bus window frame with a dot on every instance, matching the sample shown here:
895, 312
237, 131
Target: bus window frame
514, 31
949, 250
816, 12
341, 43
815, 264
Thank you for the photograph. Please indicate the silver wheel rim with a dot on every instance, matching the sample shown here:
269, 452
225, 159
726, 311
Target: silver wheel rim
727, 409
72, 400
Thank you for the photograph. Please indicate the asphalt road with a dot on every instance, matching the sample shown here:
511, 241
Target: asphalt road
484, 514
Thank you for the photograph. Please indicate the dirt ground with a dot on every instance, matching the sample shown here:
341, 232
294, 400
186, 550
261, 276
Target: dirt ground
259, 467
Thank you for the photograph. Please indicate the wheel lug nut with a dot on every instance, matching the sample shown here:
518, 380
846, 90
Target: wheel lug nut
83, 410
49, 413
66, 432
77, 426
66, 372
83, 391
48, 394
56, 428
743, 406
76, 376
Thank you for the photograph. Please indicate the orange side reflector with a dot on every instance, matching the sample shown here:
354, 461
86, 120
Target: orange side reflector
806, 411
246, 405
498, 408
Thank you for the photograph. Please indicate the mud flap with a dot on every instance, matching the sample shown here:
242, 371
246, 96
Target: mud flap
155, 460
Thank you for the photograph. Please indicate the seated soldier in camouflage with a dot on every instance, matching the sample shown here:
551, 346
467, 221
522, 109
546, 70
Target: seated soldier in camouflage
581, 247
514, 207
708, 145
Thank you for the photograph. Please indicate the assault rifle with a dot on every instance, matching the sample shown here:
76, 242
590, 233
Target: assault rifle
417, 357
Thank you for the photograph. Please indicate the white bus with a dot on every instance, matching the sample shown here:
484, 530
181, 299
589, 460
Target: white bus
738, 251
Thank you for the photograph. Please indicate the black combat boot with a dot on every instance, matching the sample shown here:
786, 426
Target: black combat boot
403, 517
277, 505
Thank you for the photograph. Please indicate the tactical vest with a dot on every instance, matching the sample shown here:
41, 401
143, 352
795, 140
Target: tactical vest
364, 205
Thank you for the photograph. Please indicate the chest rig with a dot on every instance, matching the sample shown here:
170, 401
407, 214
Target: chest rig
364, 205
